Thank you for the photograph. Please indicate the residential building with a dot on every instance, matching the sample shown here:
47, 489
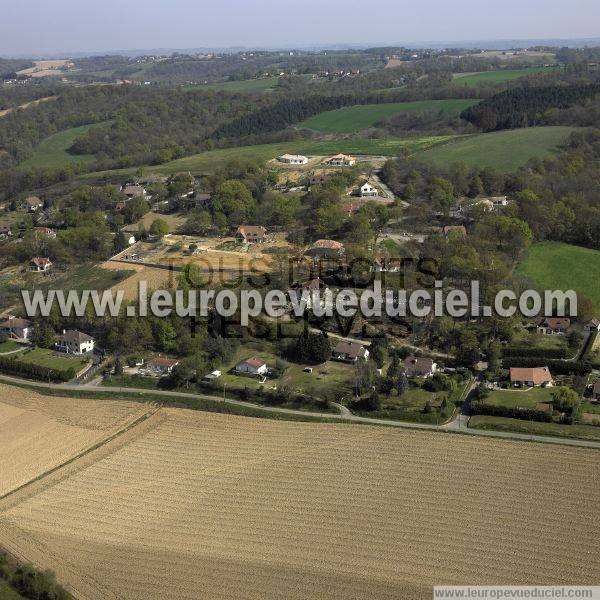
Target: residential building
120, 206
32, 204
45, 231
5, 230
596, 391
367, 190
134, 191
293, 159
419, 366
161, 366
315, 287
554, 326
593, 325
16, 328
212, 376
201, 199
252, 367
349, 352
531, 376
382, 264
341, 160
251, 234
75, 342
326, 249
40, 264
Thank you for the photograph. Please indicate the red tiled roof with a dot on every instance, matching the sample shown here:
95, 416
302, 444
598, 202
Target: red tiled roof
537, 375
40, 261
160, 361
327, 245
253, 361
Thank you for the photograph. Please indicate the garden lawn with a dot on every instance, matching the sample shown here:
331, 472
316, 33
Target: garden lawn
519, 398
51, 359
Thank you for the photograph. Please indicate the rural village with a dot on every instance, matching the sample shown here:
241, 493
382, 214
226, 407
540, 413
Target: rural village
147, 456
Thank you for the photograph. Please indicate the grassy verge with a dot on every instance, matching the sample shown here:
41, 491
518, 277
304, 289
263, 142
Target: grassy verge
503, 150
9, 346
580, 432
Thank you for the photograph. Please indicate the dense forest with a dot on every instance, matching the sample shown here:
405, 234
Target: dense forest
525, 107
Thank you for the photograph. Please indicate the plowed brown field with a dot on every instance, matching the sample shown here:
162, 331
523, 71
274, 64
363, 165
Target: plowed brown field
225, 507
38, 433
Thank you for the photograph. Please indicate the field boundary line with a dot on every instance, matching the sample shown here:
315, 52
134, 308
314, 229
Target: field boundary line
83, 459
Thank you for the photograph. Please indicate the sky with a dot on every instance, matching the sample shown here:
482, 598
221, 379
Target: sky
35, 27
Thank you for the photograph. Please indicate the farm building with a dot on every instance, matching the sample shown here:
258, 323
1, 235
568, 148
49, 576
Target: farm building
419, 366
366, 190
349, 352
16, 329
326, 249
554, 326
161, 366
531, 377
253, 367
75, 342
293, 159
340, 160
40, 264
251, 234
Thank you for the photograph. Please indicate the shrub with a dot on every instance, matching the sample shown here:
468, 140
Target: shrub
524, 414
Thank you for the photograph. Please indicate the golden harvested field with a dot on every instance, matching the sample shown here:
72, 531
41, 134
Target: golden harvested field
38, 433
223, 507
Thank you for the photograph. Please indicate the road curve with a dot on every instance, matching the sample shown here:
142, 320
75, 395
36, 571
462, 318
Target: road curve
319, 415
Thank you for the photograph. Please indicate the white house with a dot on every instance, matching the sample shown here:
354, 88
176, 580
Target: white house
75, 342
367, 190
252, 367
293, 159
16, 329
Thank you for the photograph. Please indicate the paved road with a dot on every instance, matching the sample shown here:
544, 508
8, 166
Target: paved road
342, 417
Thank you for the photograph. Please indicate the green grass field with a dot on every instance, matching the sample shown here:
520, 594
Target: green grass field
355, 118
9, 346
491, 77
51, 359
519, 398
504, 150
207, 162
245, 85
52, 152
556, 266
582, 432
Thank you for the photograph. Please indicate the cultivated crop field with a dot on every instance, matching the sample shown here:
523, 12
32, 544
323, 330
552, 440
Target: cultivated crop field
39, 432
355, 118
556, 266
504, 150
211, 506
